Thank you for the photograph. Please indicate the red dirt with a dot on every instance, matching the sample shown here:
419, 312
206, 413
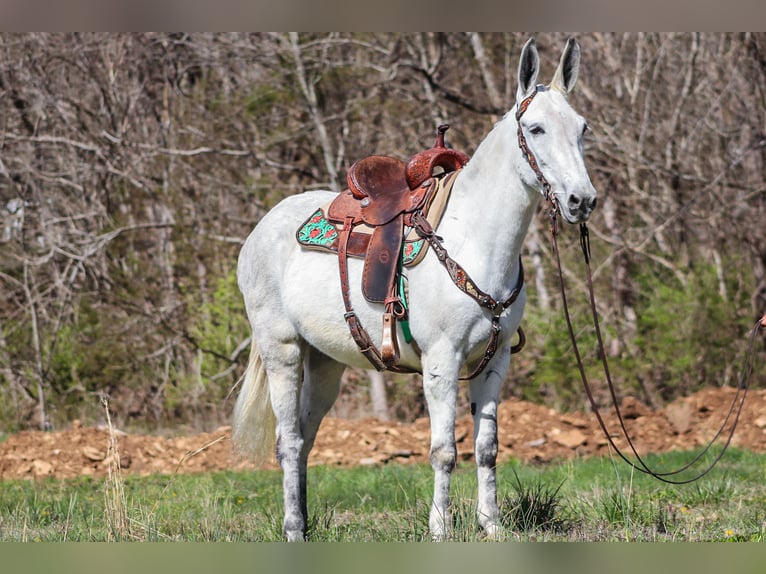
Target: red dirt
526, 431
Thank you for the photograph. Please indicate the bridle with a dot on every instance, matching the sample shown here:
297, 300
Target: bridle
526, 152
735, 409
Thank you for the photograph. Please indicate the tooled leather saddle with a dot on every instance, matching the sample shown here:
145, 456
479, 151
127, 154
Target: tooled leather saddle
383, 195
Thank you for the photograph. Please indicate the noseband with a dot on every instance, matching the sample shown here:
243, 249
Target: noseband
530, 157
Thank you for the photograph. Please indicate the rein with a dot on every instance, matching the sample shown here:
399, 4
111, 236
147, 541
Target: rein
735, 408
738, 401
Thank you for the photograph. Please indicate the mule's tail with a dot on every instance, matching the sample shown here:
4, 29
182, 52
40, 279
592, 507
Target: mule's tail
254, 423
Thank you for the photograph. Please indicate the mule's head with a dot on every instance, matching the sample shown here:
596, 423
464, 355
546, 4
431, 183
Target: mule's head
553, 132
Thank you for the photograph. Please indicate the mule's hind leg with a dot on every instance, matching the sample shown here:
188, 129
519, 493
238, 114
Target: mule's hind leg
321, 383
485, 391
283, 362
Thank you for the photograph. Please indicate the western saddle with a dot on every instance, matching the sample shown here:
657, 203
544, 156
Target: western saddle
383, 193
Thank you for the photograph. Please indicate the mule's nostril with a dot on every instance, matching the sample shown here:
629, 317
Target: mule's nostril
573, 202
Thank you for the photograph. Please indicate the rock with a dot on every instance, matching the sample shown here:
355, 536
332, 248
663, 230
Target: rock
92, 453
464, 454
570, 439
41, 468
402, 454
632, 408
125, 460
575, 421
679, 415
111, 430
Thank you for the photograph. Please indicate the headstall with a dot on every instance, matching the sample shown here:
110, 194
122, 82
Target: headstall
530, 157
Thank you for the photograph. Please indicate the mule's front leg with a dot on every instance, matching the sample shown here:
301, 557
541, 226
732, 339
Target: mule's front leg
485, 391
440, 388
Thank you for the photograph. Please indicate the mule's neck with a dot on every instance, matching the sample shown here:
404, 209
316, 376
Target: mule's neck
491, 208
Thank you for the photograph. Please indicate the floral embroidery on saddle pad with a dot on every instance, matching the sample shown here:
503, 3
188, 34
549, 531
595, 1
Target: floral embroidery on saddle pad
317, 231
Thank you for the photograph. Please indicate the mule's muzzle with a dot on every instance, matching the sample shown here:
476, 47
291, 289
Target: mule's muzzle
579, 207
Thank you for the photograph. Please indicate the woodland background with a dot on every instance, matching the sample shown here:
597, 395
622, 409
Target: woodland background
133, 166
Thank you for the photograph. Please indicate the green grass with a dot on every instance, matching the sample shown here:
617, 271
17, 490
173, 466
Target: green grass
585, 500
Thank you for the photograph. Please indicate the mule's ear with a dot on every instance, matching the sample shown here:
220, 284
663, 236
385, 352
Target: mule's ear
529, 66
566, 74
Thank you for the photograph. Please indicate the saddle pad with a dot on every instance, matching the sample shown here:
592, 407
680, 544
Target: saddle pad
317, 232
322, 235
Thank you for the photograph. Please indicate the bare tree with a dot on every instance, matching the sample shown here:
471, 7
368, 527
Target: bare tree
133, 165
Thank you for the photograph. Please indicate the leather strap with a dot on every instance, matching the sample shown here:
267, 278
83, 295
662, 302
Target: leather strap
464, 282
530, 157
381, 361
359, 334
388, 359
735, 408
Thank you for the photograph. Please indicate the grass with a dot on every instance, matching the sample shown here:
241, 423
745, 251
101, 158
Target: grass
585, 500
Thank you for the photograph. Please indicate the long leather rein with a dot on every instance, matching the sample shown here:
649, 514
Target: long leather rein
735, 409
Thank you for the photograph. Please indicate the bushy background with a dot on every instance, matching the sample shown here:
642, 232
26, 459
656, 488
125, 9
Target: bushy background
132, 167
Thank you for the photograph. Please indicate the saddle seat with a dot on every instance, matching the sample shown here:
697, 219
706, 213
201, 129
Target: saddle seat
380, 202
377, 192
380, 185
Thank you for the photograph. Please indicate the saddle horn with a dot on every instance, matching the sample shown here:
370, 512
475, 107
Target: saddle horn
421, 166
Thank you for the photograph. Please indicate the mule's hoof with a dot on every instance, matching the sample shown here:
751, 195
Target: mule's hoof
294, 536
438, 529
494, 532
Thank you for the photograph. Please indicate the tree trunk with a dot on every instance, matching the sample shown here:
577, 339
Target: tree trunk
378, 395
309, 93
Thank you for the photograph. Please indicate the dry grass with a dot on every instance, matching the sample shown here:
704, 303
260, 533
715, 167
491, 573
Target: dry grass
115, 502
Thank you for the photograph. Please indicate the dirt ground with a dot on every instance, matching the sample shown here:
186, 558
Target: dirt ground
526, 431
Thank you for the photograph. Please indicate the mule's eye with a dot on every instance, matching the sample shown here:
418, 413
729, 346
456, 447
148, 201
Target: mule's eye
537, 130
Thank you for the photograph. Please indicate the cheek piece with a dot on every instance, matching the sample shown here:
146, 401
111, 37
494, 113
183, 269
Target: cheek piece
530, 157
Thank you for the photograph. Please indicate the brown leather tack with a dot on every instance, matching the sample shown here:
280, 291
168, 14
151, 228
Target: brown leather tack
382, 260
